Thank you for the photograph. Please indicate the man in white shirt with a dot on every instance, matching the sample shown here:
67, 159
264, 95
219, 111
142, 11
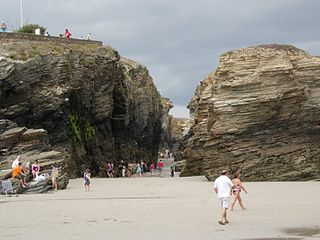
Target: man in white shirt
223, 187
15, 163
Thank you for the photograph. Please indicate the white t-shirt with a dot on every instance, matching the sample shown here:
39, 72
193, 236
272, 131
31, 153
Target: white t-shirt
223, 184
15, 163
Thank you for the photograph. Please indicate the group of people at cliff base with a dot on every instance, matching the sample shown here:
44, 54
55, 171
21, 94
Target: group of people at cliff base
225, 188
24, 172
132, 169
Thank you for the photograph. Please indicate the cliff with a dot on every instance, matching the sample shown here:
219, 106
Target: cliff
166, 127
31, 145
179, 128
93, 104
257, 113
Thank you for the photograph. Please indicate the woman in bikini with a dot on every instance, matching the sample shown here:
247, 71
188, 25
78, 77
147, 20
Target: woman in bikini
35, 169
236, 191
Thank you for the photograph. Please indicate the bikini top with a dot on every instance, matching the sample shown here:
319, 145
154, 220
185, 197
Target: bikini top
35, 168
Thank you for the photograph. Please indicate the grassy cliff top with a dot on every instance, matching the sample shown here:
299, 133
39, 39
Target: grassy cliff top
273, 47
26, 50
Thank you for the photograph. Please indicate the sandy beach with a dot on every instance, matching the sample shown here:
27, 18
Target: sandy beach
161, 208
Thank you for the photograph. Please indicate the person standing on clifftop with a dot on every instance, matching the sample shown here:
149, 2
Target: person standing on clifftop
223, 187
67, 34
3, 26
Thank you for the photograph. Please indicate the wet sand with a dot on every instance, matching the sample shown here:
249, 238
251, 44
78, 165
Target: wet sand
161, 208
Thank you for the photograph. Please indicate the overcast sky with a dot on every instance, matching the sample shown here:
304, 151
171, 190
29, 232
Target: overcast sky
179, 41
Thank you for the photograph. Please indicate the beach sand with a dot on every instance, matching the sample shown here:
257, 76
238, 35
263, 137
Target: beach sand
162, 208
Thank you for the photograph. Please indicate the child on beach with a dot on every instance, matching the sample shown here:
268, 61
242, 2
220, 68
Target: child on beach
152, 168
86, 179
236, 191
139, 170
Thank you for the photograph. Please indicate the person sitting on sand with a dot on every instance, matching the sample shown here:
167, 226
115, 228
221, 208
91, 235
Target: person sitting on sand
236, 191
19, 174
35, 169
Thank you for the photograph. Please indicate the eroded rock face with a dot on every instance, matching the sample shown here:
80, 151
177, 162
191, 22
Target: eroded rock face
93, 104
257, 113
179, 128
31, 145
166, 127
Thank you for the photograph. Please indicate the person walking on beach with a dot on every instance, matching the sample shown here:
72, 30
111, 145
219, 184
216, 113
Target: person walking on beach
86, 180
151, 168
139, 170
172, 169
123, 169
160, 166
110, 170
236, 191
223, 187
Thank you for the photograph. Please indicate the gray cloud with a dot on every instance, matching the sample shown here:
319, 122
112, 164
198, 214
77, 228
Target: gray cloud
179, 41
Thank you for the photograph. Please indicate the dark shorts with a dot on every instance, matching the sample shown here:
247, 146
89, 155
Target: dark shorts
86, 181
20, 176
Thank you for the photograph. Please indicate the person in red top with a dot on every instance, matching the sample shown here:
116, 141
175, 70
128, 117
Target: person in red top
67, 34
151, 168
18, 173
160, 166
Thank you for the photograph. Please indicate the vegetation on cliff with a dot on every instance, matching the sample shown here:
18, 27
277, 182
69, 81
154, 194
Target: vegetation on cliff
94, 105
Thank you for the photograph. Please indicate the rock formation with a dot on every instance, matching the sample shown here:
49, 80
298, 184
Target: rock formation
94, 105
31, 144
166, 139
257, 113
179, 128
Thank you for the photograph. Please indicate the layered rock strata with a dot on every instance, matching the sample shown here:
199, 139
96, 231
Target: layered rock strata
179, 128
257, 113
166, 127
31, 145
93, 104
